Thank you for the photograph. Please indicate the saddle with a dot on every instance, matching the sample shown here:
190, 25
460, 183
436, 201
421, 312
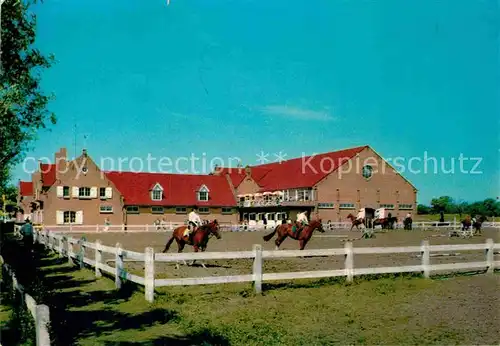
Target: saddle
187, 236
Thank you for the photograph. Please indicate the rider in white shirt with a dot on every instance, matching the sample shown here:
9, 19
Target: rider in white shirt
194, 220
301, 221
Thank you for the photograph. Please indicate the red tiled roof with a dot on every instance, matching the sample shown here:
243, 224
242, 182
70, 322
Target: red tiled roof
294, 173
26, 188
48, 173
178, 189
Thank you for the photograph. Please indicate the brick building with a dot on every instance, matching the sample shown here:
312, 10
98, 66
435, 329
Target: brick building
331, 185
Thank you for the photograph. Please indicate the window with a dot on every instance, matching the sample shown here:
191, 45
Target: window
84, 192
326, 205
203, 193
204, 210
102, 192
181, 210
157, 210
69, 217
346, 206
157, 193
387, 206
406, 206
367, 171
227, 210
103, 209
133, 209
66, 191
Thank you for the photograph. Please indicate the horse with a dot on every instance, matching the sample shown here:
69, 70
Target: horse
355, 222
466, 223
408, 223
198, 240
303, 236
479, 222
386, 223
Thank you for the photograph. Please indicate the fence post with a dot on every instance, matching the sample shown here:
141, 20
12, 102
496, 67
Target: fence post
42, 321
82, 253
98, 258
97, 228
454, 222
149, 274
60, 248
489, 255
257, 268
349, 261
123, 227
118, 265
70, 250
426, 259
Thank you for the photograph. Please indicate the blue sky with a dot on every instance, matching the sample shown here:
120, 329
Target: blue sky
234, 78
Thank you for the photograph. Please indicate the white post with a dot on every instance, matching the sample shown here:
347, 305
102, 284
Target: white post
70, 250
489, 255
82, 251
118, 265
97, 228
98, 258
426, 259
123, 227
60, 247
257, 268
349, 261
454, 222
146, 228
42, 320
149, 274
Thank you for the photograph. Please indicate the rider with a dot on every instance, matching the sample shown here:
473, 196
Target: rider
194, 221
408, 216
301, 222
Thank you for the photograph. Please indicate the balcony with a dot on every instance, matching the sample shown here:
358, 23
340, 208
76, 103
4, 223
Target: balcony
289, 198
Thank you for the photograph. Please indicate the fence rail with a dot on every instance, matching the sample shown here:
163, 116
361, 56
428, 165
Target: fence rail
39, 312
63, 245
170, 226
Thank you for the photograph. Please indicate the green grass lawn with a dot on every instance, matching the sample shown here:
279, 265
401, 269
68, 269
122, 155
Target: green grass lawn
402, 310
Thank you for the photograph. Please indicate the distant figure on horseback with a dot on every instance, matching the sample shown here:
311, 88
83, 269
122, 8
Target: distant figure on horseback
301, 222
303, 235
198, 239
356, 221
466, 223
477, 223
408, 222
194, 221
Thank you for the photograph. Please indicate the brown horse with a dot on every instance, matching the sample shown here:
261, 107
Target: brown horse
466, 223
355, 222
478, 224
303, 236
198, 240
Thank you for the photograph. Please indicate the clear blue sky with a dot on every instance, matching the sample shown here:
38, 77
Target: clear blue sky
234, 78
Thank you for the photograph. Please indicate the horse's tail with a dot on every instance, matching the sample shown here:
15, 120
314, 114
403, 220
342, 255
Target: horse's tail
271, 235
170, 241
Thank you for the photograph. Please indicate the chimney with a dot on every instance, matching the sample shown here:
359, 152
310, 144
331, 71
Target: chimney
60, 161
84, 152
248, 171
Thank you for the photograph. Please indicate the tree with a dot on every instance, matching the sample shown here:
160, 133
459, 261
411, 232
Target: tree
443, 203
23, 105
423, 209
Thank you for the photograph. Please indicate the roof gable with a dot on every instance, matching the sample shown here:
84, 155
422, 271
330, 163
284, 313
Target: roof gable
294, 173
179, 189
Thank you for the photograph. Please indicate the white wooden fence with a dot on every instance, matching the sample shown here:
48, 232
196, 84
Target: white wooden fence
39, 312
64, 246
169, 226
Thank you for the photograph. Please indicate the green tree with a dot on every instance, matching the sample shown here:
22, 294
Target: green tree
23, 104
423, 209
443, 203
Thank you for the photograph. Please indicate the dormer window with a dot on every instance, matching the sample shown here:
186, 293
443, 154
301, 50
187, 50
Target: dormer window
157, 193
203, 193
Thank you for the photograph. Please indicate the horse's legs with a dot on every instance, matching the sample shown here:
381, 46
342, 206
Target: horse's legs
279, 240
196, 249
180, 247
202, 263
303, 243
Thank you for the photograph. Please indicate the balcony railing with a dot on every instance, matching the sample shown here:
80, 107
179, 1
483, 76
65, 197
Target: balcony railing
275, 203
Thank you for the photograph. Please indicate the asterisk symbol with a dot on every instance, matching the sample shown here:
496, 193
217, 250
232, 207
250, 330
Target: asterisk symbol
262, 157
280, 157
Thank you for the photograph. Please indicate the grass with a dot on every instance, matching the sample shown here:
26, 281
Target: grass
397, 310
